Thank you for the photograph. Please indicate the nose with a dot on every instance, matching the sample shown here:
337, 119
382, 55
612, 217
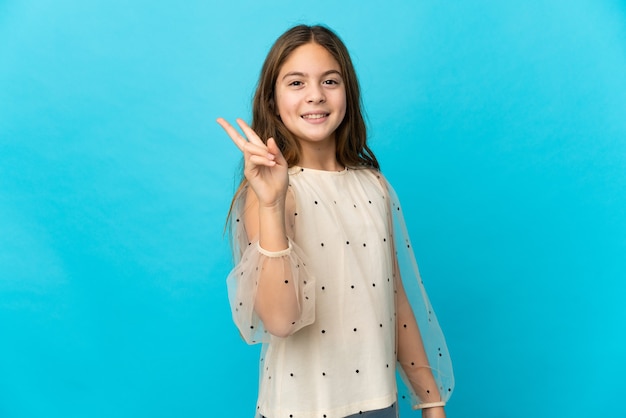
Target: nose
315, 94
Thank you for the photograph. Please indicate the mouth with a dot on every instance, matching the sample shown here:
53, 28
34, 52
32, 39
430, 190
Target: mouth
315, 116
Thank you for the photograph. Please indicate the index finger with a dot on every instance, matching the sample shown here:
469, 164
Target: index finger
239, 141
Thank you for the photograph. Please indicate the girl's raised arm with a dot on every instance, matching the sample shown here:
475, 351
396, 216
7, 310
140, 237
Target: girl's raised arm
273, 284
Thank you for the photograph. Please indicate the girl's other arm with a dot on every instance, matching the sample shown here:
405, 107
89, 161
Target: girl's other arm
412, 357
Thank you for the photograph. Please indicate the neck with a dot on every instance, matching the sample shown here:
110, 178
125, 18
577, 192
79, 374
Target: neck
320, 156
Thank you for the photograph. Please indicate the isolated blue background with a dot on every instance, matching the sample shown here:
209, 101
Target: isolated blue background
502, 126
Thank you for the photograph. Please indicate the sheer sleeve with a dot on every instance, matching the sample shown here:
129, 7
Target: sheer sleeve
250, 261
424, 362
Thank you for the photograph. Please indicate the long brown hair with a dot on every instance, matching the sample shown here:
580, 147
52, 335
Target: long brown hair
351, 135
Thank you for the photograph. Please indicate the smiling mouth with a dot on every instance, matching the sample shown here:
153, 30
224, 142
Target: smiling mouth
315, 116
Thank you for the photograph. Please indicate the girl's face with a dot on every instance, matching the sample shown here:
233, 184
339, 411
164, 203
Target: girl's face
310, 94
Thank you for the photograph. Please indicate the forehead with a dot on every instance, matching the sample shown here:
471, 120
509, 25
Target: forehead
311, 59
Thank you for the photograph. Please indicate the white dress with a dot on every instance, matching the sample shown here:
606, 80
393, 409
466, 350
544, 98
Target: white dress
343, 353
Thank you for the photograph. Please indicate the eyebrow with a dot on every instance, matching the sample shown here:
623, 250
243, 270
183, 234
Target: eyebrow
301, 74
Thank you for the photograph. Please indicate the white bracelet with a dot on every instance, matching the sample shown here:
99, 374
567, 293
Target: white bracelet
274, 254
429, 405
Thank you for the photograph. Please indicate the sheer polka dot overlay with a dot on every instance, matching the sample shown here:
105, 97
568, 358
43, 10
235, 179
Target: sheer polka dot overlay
343, 348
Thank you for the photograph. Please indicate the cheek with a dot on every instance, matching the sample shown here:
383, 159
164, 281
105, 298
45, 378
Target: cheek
283, 104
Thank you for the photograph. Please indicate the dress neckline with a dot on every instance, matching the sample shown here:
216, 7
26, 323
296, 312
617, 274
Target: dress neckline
297, 170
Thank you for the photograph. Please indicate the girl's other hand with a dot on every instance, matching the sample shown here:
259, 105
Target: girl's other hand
265, 167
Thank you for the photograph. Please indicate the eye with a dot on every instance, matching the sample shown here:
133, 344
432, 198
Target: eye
331, 82
295, 83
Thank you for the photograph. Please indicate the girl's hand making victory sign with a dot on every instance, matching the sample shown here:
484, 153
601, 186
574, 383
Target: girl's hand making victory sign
265, 167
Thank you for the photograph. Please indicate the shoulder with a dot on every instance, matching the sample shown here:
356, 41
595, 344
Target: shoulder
373, 176
367, 171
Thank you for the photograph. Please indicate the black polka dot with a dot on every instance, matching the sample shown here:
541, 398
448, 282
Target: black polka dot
323, 331
286, 281
357, 370
354, 329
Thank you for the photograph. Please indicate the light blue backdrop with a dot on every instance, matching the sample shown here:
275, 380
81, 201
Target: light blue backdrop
502, 126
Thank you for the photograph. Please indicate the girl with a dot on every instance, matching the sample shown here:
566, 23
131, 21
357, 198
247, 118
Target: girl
323, 261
